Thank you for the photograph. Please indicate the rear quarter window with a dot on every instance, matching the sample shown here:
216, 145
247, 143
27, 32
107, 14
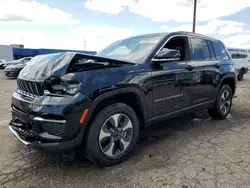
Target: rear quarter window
219, 50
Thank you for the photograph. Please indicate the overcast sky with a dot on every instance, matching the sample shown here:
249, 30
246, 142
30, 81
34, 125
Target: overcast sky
66, 24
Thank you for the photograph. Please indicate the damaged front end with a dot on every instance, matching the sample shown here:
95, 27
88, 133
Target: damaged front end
49, 105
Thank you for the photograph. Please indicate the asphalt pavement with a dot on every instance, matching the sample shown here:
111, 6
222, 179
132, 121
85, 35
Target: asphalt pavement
191, 151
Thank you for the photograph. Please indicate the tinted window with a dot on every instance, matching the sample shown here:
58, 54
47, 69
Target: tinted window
26, 59
200, 50
213, 57
219, 51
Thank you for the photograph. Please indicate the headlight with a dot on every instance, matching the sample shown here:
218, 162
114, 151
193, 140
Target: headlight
70, 89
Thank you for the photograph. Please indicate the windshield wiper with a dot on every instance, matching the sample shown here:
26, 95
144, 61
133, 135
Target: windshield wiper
105, 59
90, 62
90, 66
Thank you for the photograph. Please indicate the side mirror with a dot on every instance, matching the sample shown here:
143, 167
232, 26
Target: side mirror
168, 55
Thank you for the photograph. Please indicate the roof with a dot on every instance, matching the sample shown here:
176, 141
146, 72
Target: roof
231, 48
175, 33
192, 34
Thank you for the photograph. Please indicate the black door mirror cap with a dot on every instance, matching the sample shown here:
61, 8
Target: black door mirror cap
167, 55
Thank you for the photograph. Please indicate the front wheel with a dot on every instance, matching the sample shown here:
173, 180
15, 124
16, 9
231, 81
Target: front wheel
112, 135
223, 103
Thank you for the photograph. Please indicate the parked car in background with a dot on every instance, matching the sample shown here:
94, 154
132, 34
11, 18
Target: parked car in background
19, 61
102, 102
2, 63
240, 58
14, 70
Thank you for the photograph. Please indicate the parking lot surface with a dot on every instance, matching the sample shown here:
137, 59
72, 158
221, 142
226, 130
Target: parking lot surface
189, 151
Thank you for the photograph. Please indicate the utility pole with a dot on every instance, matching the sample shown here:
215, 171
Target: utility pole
194, 18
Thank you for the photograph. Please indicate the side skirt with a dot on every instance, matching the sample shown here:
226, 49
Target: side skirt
205, 105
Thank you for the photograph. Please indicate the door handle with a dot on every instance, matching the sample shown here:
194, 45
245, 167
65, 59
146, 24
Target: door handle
217, 65
189, 67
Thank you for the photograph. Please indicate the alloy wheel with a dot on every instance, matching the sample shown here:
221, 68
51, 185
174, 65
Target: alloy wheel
115, 135
225, 102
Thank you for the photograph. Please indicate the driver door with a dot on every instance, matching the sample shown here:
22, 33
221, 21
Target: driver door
172, 80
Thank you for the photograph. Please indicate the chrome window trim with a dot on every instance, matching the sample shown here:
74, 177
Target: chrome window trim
159, 60
181, 35
154, 59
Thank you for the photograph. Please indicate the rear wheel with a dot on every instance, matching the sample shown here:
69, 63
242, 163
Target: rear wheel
240, 75
223, 103
112, 135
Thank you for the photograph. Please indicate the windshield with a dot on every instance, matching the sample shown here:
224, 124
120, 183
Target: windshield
135, 49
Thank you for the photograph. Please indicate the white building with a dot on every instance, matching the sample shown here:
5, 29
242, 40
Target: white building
6, 52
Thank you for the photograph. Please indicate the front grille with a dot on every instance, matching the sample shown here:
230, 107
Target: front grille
27, 133
30, 88
56, 129
22, 129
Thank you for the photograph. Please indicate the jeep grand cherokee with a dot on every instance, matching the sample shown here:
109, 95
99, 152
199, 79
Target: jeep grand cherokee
102, 102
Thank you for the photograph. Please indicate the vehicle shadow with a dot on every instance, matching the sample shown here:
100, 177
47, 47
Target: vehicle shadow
158, 146
151, 134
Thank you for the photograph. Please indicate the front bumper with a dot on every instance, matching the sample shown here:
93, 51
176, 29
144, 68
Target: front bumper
13, 73
50, 123
50, 146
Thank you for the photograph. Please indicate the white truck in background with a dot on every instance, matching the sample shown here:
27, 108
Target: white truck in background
241, 60
249, 58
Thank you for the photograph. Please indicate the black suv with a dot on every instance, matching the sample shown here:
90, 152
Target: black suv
102, 102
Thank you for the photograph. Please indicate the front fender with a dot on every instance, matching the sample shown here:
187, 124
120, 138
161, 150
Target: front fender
135, 90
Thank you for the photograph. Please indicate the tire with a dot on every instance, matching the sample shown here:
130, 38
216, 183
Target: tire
217, 112
99, 142
240, 76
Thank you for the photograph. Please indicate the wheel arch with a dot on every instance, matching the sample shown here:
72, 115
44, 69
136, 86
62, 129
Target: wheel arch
229, 79
130, 96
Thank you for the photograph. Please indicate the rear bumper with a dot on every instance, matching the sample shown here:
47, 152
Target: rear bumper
49, 123
244, 70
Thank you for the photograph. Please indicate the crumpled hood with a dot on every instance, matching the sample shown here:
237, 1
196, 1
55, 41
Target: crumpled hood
44, 66
56, 65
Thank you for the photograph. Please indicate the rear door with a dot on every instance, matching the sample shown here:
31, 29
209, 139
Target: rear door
206, 70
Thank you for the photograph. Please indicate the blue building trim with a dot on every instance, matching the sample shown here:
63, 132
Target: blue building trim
42, 51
